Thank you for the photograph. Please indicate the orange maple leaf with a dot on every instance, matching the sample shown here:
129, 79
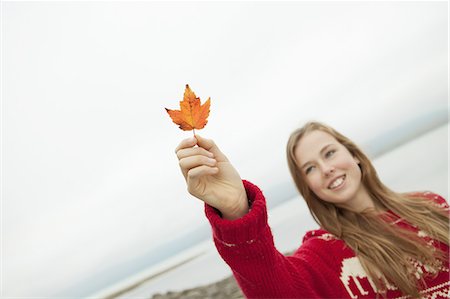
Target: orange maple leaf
192, 114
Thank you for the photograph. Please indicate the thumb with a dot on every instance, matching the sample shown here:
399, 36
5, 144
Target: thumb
209, 145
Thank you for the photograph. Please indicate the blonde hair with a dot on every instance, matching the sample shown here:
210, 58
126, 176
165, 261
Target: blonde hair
385, 251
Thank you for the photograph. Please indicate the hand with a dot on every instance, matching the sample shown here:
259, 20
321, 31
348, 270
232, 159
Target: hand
211, 177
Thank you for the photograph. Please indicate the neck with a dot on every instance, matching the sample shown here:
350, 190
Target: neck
363, 202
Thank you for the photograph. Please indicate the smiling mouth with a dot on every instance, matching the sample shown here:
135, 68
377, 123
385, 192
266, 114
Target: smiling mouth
336, 183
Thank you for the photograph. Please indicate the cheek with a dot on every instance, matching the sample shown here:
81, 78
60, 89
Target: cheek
347, 163
314, 183
355, 170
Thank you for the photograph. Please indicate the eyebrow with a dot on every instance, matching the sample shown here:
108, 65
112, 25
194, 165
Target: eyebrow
321, 151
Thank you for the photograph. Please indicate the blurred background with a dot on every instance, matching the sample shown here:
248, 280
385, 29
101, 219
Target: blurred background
93, 202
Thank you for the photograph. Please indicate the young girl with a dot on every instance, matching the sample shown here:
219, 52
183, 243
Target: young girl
372, 241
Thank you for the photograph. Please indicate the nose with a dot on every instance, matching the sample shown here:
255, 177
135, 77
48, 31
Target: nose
327, 169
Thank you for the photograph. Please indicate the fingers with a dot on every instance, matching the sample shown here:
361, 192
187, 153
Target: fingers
207, 144
200, 171
210, 146
186, 143
193, 151
189, 163
196, 161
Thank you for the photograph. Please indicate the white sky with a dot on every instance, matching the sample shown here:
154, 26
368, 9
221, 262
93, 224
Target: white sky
89, 175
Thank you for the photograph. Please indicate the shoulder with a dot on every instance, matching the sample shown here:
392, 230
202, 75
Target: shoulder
323, 242
435, 198
318, 235
321, 245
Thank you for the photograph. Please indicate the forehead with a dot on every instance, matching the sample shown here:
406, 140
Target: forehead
311, 143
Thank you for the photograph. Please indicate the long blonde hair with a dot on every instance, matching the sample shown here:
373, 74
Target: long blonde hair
385, 251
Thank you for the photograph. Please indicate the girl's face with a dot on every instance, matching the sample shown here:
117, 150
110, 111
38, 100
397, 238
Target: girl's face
330, 170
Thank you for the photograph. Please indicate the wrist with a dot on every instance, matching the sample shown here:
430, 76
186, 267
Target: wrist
240, 209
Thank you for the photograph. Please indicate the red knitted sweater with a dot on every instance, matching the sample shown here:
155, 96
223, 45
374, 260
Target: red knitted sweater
323, 267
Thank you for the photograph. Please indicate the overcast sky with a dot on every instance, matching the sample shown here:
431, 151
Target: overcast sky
89, 175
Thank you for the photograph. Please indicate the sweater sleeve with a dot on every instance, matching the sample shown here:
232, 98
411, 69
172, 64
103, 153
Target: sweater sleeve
246, 244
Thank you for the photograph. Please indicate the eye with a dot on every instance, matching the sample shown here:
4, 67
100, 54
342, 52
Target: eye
329, 153
309, 169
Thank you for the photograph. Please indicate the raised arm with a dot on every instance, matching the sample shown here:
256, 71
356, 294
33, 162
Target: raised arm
241, 233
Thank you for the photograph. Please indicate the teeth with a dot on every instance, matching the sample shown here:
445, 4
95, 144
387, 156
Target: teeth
336, 183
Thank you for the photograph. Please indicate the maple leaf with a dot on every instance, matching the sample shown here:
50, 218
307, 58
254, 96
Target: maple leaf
192, 115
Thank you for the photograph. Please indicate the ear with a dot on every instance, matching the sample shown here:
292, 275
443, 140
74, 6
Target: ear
356, 160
